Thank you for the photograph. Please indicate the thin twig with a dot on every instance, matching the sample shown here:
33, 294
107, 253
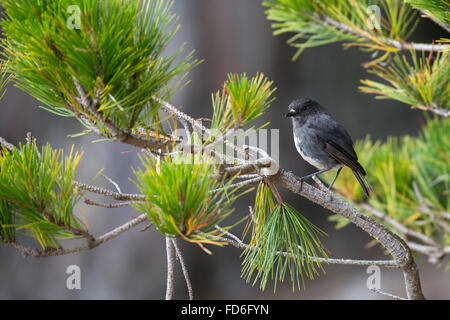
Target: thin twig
247, 176
439, 111
387, 294
249, 166
444, 26
109, 205
196, 125
112, 182
400, 227
435, 253
146, 227
238, 243
180, 115
84, 120
170, 269
5, 143
185, 270
241, 184
98, 241
119, 230
388, 41
114, 132
426, 210
445, 215
109, 193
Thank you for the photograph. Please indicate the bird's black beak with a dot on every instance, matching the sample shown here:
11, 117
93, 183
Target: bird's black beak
291, 113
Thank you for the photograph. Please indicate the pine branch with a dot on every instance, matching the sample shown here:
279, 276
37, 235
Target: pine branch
115, 133
6, 144
109, 193
238, 243
397, 225
421, 82
435, 254
109, 205
435, 10
387, 41
184, 269
387, 294
76, 231
394, 244
444, 26
51, 252
439, 111
241, 184
170, 288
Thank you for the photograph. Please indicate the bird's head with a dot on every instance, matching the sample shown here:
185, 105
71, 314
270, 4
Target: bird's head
302, 107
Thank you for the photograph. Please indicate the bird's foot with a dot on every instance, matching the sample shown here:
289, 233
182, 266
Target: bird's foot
324, 188
300, 180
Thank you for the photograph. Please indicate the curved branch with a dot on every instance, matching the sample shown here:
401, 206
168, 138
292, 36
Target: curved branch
394, 244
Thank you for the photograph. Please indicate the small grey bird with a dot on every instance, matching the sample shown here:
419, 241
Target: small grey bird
323, 142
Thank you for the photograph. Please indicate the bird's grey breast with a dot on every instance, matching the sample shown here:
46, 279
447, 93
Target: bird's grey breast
306, 145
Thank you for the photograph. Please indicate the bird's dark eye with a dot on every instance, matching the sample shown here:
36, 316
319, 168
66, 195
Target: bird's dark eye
304, 108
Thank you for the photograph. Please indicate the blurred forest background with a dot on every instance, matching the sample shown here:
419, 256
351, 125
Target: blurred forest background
231, 36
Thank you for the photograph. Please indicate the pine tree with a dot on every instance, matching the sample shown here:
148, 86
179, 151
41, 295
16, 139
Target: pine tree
104, 64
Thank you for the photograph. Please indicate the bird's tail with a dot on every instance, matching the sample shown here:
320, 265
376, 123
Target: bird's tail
363, 182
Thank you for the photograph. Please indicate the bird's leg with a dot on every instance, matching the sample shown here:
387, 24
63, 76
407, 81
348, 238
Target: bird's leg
299, 180
313, 174
331, 185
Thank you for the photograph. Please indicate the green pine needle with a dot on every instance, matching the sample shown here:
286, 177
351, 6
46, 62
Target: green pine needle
4, 79
184, 198
283, 241
37, 194
406, 173
420, 83
222, 119
248, 99
118, 54
436, 9
305, 19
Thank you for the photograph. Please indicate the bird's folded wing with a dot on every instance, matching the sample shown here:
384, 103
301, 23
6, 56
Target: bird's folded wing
340, 154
